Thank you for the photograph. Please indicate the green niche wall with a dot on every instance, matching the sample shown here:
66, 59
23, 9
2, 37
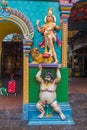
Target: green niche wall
34, 87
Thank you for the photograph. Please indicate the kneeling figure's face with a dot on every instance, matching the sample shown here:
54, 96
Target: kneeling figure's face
47, 78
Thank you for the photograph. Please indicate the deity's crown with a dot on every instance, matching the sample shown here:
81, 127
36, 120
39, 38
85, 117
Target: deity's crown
51, 14
50, 11
4, 2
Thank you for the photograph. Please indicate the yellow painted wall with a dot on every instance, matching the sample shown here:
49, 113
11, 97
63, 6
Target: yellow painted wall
6, 28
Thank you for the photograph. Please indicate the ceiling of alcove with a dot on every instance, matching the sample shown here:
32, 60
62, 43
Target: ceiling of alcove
7, 27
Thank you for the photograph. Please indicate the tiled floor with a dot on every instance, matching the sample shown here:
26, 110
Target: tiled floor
77, 85
11, 110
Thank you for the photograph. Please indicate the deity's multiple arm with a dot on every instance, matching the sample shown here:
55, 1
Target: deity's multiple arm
37, 25
59, 27
41, 29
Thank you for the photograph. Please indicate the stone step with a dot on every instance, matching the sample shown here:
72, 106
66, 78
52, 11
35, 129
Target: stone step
64, 106
54, 120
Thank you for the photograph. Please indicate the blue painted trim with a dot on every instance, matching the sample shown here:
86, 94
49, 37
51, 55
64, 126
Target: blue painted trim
66, 5
65, 12
25, 112
26, 40
65, 20
30, 113
27, 47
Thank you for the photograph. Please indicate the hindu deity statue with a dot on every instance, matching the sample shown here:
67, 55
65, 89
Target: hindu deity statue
49, 34
47, 93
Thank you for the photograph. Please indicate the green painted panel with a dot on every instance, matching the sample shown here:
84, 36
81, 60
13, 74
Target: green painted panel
33, 85
62, 90
62, 87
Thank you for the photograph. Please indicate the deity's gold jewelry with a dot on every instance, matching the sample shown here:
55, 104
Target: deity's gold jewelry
50, 13
46, 85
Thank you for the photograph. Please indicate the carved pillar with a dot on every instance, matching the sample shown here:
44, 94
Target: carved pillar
64, 43
26, 48
25, 79
65, 7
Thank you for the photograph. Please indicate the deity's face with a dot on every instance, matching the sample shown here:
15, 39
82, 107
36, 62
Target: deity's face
49, 18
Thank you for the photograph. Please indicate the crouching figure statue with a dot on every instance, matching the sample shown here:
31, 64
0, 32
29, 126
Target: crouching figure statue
47, 93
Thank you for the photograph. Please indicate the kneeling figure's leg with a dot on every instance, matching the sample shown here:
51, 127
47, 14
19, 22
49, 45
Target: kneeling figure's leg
56, 108
40, 107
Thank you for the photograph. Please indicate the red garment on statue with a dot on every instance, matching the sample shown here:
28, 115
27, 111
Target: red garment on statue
42, 44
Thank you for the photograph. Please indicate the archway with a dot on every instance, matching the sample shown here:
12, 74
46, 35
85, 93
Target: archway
12, 63
13, 21
9, 55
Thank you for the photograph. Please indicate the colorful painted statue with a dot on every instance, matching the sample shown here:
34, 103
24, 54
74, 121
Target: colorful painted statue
47, 93
38, 57
49, 34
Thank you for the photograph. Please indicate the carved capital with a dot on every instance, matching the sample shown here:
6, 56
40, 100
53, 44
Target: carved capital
65, 9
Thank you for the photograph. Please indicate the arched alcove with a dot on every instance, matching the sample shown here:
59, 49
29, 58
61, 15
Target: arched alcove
13, 21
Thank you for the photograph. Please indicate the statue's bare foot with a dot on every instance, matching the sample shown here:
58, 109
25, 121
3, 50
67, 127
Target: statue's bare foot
62, 116
56, 62
41, 115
